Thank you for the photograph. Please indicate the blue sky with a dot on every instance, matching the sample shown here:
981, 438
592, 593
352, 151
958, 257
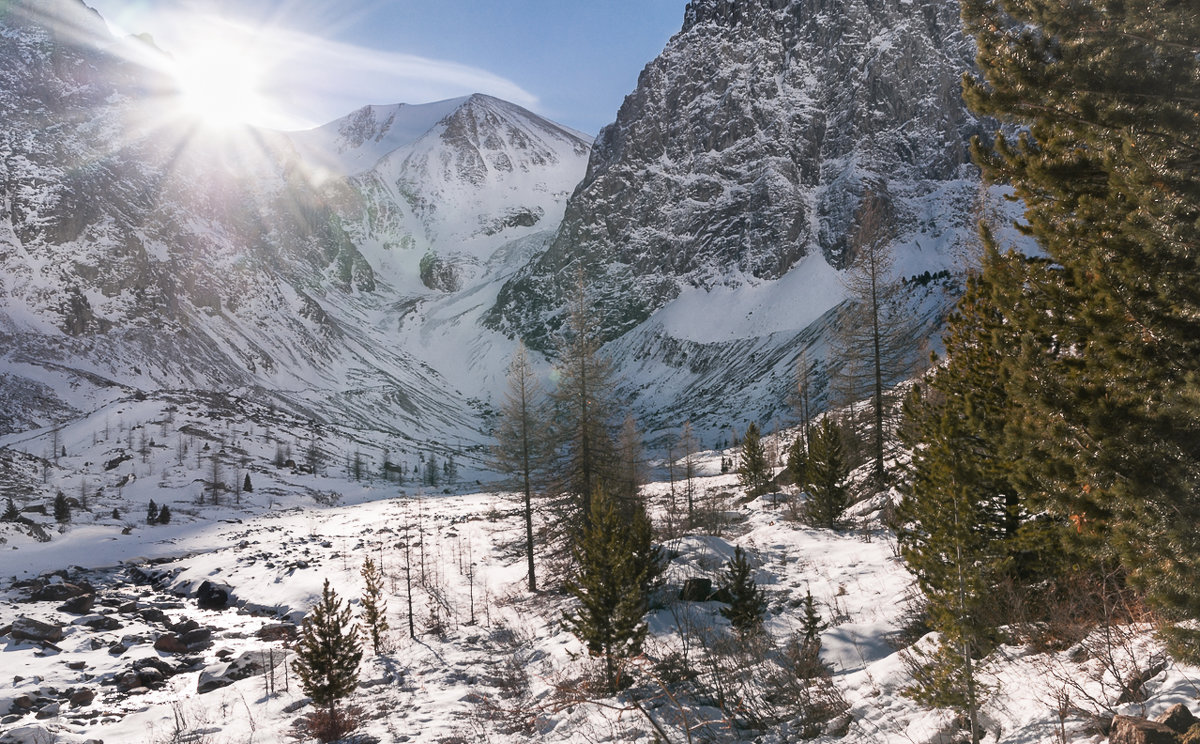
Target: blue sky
571, 61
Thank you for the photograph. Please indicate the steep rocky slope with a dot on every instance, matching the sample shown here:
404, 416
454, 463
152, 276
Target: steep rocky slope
748, 145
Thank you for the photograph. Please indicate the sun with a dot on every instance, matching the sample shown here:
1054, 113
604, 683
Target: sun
220, 84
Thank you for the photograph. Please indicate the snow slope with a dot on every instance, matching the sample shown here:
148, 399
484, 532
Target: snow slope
489, 661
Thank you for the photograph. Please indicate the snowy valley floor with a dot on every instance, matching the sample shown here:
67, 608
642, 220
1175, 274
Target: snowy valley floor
490, 662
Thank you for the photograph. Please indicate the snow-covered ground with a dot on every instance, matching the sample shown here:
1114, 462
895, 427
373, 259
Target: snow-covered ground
489, 661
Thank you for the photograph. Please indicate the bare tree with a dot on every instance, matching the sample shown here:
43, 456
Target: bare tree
878, 342
522, 450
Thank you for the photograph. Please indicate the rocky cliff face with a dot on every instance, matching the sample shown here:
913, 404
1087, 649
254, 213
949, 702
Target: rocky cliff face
749, 144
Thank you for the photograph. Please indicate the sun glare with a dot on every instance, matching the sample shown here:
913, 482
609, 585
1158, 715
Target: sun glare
219, 84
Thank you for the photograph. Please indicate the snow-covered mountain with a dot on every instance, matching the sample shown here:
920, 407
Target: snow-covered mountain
140, 253
718, 208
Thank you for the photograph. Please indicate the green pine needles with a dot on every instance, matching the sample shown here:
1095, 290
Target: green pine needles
618, 567
374, 606
329, 652
826, 471
747, 603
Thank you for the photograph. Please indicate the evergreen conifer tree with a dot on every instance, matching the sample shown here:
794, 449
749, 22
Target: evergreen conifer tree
797, 461
747, 603
754, 472
374, 606
1105, 162
164, 515
151, 512
62, 510
618, 566
10, 511
247, 486
328, 653
826, 472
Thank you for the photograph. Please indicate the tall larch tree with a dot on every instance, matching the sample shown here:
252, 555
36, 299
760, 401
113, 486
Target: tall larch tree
1102, 95
585, 411
878, 338
522, 450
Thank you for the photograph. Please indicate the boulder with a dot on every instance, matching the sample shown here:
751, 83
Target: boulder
212, 596
151, 677
222, 675
696, 590
169, 643
1130, 730
28, 629
50, 710
278, 632
80, 605
127, 681
155, 615
1178, 718
197, 638
57, 591
184, 626
99, 622
82, 697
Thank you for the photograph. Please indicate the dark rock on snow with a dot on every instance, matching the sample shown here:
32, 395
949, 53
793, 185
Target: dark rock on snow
212, 596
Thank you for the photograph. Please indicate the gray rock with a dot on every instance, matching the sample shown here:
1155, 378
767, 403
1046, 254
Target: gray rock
80, 605
222, 675
28, 629
99, 622
1178, 718
1130, 730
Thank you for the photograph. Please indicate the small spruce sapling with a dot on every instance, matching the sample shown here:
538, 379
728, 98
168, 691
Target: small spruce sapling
10, 511
747, 603
327, 660
374, 606
164, 515
62, 509
151, 512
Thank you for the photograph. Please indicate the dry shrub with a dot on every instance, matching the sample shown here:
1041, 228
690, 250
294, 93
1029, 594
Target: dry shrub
327, 724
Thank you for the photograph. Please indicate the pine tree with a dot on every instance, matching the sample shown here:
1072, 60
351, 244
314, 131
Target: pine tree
797, 461
618, 566
328, 654
826, 472
151, 512
754, 472
164, 515
1109, 359
374, 605
522, 451
247, 486
116, 513
10, 511
432, 477
747, 603
62, 510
